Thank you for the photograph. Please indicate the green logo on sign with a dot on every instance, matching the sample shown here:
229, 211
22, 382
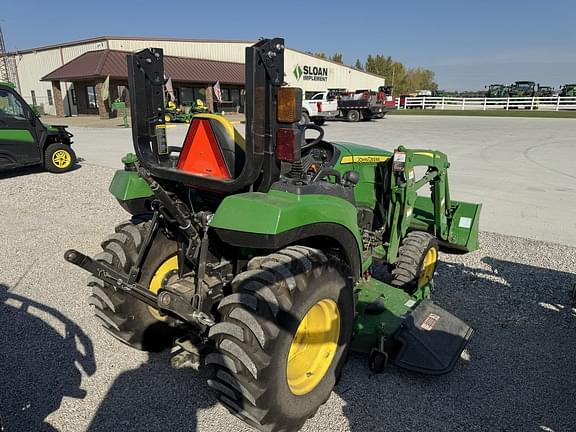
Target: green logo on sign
297, 72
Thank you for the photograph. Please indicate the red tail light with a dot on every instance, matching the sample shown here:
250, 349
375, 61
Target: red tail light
286, 145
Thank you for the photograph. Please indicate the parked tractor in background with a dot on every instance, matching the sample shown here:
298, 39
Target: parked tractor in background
522, 89
261, 253
497, 91
568, 90
544, 91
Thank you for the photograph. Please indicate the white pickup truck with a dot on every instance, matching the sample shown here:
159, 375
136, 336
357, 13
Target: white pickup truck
318, 108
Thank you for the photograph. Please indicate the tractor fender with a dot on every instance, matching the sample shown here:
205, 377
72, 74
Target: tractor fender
277, 219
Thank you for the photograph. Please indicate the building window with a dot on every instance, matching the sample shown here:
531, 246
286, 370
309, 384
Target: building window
73, 96
33, 94
91, 97
50, 99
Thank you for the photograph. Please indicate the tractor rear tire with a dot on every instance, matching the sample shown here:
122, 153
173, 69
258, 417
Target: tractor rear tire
416, 263
269, 372
353, 116
124, 317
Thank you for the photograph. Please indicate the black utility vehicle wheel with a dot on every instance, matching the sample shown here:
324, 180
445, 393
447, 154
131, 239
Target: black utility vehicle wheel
353, 116
283, 337
59, 158
416, 261
130, 320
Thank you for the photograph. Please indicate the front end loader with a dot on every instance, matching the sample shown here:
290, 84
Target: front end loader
268, 257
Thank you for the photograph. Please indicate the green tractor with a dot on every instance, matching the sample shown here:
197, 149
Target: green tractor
497, 91
568, 90
268, 257
522, 89
544, 91
26, 141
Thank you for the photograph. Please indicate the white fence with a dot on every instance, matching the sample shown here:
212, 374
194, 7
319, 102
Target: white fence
456, 103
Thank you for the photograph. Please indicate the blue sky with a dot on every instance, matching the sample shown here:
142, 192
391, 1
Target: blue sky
467, 44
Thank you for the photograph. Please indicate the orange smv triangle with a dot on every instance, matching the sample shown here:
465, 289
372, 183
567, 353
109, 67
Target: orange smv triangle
201, 153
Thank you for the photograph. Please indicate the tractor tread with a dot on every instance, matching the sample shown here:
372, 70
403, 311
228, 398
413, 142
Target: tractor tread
245, 347
227, 328
411, 253
243, 316
133, 231
125, 317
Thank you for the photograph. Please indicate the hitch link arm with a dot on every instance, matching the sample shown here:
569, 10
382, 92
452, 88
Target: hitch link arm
110, 276
121, 281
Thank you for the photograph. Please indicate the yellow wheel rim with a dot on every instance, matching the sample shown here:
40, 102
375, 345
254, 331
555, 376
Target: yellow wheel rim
61, 159
313, 347
167, 118
167, 269
428, 266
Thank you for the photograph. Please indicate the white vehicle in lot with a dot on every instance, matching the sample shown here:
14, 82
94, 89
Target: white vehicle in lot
319, 107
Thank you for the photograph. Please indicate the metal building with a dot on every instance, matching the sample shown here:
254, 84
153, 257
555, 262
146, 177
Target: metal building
64, 80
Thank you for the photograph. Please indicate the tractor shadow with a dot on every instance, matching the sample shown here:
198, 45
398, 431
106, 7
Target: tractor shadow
42, 359
154, 397
518, 370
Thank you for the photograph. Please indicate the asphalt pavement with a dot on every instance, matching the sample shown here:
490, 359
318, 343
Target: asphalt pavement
520, 169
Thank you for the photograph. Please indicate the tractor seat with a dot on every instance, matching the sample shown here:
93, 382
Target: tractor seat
212, 148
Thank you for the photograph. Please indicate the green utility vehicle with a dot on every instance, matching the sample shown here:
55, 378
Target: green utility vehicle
497, 90
265, 256
25, 140
568, 90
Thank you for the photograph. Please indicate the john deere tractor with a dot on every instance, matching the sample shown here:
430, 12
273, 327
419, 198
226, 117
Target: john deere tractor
267, 257
568, 90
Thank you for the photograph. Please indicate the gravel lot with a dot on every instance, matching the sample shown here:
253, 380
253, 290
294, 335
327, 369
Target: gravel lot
60, 371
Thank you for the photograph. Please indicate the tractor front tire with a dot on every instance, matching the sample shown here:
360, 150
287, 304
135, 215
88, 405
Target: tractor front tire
59, 158
124, 317
416, 263
283, 338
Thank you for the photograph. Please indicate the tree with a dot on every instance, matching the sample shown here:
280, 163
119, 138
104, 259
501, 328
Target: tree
320, 55
337, 57
358, 65
404, 80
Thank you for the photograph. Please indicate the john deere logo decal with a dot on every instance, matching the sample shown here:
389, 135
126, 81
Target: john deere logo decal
297, 72
310, 73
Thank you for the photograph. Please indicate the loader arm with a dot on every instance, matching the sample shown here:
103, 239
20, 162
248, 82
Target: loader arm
454, 223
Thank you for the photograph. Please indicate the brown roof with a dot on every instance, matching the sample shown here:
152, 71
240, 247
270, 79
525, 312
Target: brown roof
103, 63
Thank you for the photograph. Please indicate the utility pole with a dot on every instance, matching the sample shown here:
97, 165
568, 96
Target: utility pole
7, 63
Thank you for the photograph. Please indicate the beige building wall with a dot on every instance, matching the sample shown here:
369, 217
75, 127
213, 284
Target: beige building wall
329, 75
34, 64
207, 50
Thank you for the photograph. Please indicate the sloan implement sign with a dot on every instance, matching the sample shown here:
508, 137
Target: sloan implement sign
310, 73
